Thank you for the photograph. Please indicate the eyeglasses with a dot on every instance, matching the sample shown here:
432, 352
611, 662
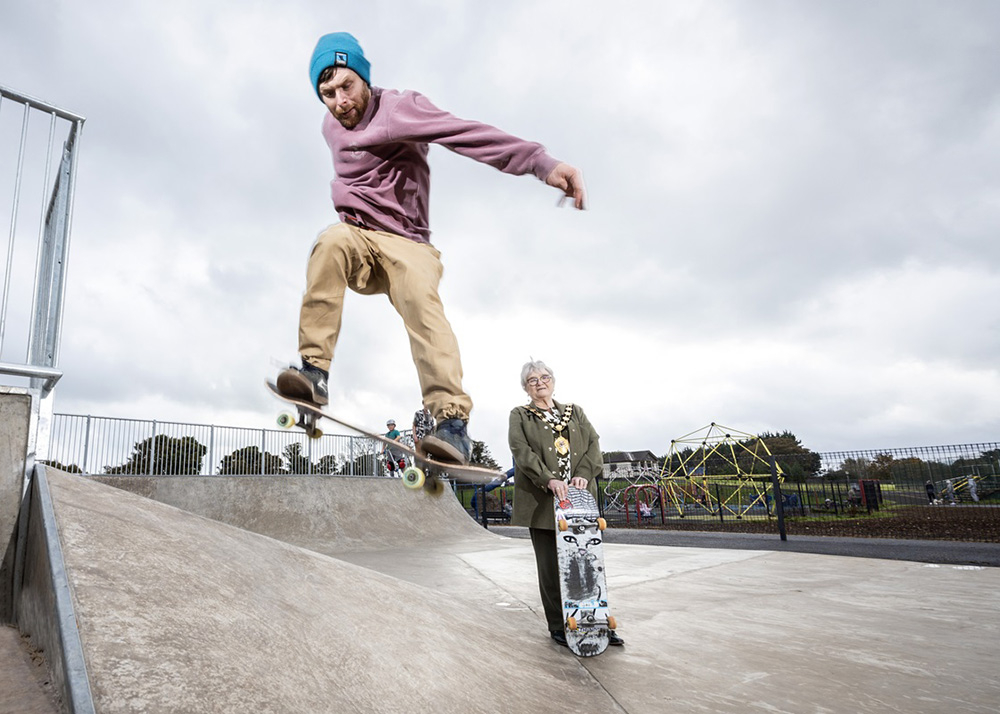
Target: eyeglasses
534, 381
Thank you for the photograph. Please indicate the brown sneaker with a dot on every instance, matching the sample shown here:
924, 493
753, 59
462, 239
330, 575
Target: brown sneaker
307, 384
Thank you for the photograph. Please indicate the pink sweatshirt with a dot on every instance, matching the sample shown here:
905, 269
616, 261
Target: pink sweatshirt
382, 176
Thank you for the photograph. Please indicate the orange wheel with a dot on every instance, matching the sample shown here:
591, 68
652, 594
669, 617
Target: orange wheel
571, 623
563, 525
601, 524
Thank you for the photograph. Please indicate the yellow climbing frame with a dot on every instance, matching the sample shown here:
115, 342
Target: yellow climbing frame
738, 482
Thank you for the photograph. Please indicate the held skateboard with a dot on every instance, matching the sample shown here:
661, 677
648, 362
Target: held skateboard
425, 471
582, 581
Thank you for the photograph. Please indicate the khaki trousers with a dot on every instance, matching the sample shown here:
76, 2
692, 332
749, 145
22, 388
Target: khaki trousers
372, 262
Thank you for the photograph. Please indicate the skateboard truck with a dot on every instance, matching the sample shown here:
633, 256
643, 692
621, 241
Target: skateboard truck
426, 471
306, 421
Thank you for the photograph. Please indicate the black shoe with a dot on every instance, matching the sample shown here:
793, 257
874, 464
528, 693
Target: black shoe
307, 384
614, 640
450, 442
559, 637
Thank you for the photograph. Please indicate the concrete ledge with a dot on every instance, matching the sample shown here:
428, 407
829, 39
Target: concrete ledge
44, 603
328, 514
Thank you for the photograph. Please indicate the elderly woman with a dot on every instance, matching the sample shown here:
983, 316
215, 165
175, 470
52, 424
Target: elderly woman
554, 447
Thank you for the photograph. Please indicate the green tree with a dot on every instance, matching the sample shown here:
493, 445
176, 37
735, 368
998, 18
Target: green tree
295, 461
796, 461
365, 462
851, 469
481, 456
329, 464
163, 455
71, 469
250, 460
881, 467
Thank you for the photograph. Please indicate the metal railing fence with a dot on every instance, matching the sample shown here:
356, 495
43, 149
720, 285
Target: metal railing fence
41, 182
106, 445
944, 492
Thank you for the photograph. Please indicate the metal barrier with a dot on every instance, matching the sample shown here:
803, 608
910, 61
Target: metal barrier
104, 445
938, 492
41, 182
27, 162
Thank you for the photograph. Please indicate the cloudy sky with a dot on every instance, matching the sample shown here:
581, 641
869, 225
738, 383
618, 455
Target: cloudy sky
793, 224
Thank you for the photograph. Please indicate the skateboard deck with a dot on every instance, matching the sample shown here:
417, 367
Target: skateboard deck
426, 471
580, 551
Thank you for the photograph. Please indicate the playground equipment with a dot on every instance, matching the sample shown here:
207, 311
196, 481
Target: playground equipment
717, 470
644, 497
625, 479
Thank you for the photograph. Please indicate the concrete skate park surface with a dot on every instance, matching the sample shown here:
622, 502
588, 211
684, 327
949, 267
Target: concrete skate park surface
326, 594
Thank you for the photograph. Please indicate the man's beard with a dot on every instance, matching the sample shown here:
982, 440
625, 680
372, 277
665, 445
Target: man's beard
353, 116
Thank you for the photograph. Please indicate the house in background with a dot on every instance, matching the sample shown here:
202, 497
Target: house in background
628, 464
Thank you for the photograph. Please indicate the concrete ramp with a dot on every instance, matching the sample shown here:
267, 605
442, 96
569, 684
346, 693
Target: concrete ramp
180, 613
328, 514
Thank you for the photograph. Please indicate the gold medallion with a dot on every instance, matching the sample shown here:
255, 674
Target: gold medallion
562, 445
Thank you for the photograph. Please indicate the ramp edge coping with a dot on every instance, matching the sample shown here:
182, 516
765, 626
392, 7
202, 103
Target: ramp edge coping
78, 695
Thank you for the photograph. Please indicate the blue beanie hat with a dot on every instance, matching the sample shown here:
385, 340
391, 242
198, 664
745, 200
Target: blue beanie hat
338, 49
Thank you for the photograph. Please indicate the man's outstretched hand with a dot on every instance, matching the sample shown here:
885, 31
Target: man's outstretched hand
570, 181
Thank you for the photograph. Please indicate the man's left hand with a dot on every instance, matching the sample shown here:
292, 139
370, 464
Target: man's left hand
569, 180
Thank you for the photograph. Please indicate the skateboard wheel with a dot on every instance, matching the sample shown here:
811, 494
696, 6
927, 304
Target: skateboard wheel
434, 486
601, 524
571, 623
413, 477
286, 420
563, 525
314, 434
612, 622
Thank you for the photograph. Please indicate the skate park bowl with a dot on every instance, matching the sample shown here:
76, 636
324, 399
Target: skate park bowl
330, 594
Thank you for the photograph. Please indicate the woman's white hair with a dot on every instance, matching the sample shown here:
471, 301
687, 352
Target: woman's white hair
534, 366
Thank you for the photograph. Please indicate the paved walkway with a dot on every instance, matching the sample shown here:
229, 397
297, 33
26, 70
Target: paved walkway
24, 682
920, 551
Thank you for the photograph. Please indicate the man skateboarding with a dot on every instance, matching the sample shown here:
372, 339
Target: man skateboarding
379, 139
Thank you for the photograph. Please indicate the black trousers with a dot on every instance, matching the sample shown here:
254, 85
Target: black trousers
547, 564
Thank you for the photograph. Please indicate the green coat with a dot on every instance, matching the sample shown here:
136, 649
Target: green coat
535, 463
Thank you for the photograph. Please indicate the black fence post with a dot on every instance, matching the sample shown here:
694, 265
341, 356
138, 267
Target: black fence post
481, 498
718, 503
779, 508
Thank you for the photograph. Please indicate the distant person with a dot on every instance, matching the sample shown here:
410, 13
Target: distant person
931, 492
554, 447
423, 424
973, 490
379, 139
496, 483
949, 488
394, 459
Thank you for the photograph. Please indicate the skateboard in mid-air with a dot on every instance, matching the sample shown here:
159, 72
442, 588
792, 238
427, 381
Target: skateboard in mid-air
582, 581
425, 471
